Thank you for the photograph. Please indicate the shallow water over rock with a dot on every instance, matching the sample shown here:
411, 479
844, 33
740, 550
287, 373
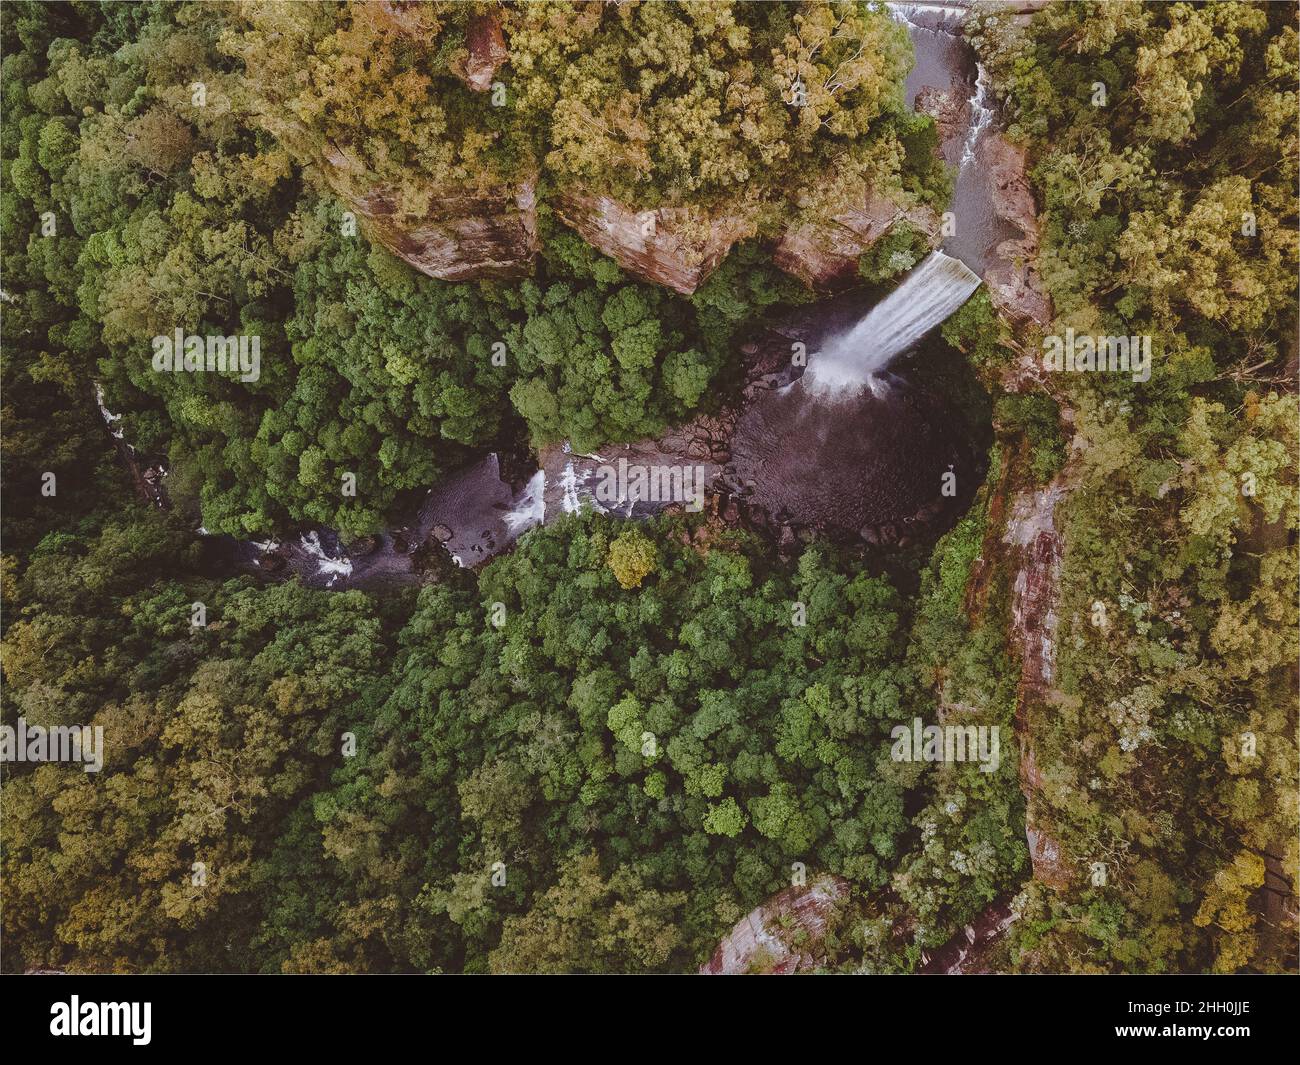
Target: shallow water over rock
946, 62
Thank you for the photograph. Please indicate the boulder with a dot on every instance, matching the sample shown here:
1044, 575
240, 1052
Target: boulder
951, 114
785, 934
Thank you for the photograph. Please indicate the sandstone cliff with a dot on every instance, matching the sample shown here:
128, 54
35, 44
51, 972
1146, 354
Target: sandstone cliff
1032, 546
1012, 274
485, 44
492, 232
675, 247
1036, 555
463, 234
824, 255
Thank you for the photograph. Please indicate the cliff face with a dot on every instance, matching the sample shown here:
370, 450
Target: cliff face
492, 233
1024, 541
824, 255
1012, 275
674, 247
1036, 554
488, 233
783, 935
464, 236
1033, 547
680, 247
966, 952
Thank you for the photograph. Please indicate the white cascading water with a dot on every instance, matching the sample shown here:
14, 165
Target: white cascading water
981, 117
927, 296
529, 507
941, 14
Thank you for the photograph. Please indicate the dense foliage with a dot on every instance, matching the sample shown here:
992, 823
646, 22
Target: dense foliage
131, 212
606, 747
669, 751
1164, 138
668, 721
763, 108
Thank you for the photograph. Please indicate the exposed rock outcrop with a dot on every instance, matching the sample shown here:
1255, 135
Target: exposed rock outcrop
785, 934
463, 234
1012, 275
676, 247
485, 52
951, 114
1031, 528
485, 44
1023, 541
1036, 554
824, 255
967, 952
459, 237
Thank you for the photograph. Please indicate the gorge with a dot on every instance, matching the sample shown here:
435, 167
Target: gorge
849, 448
672, 439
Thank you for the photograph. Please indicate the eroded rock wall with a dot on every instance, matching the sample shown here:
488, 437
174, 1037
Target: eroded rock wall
1012, 275
824, 255
462, 234
674, 247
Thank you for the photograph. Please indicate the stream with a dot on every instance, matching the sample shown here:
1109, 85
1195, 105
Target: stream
945, 61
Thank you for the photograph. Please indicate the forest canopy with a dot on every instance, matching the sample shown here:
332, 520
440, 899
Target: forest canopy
606, 747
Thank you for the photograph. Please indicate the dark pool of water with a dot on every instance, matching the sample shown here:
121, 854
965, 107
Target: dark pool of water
888, 464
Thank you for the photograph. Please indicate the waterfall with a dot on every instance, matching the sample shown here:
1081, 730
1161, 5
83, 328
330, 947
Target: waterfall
927, 296
325, 563
944, 16
529, 508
